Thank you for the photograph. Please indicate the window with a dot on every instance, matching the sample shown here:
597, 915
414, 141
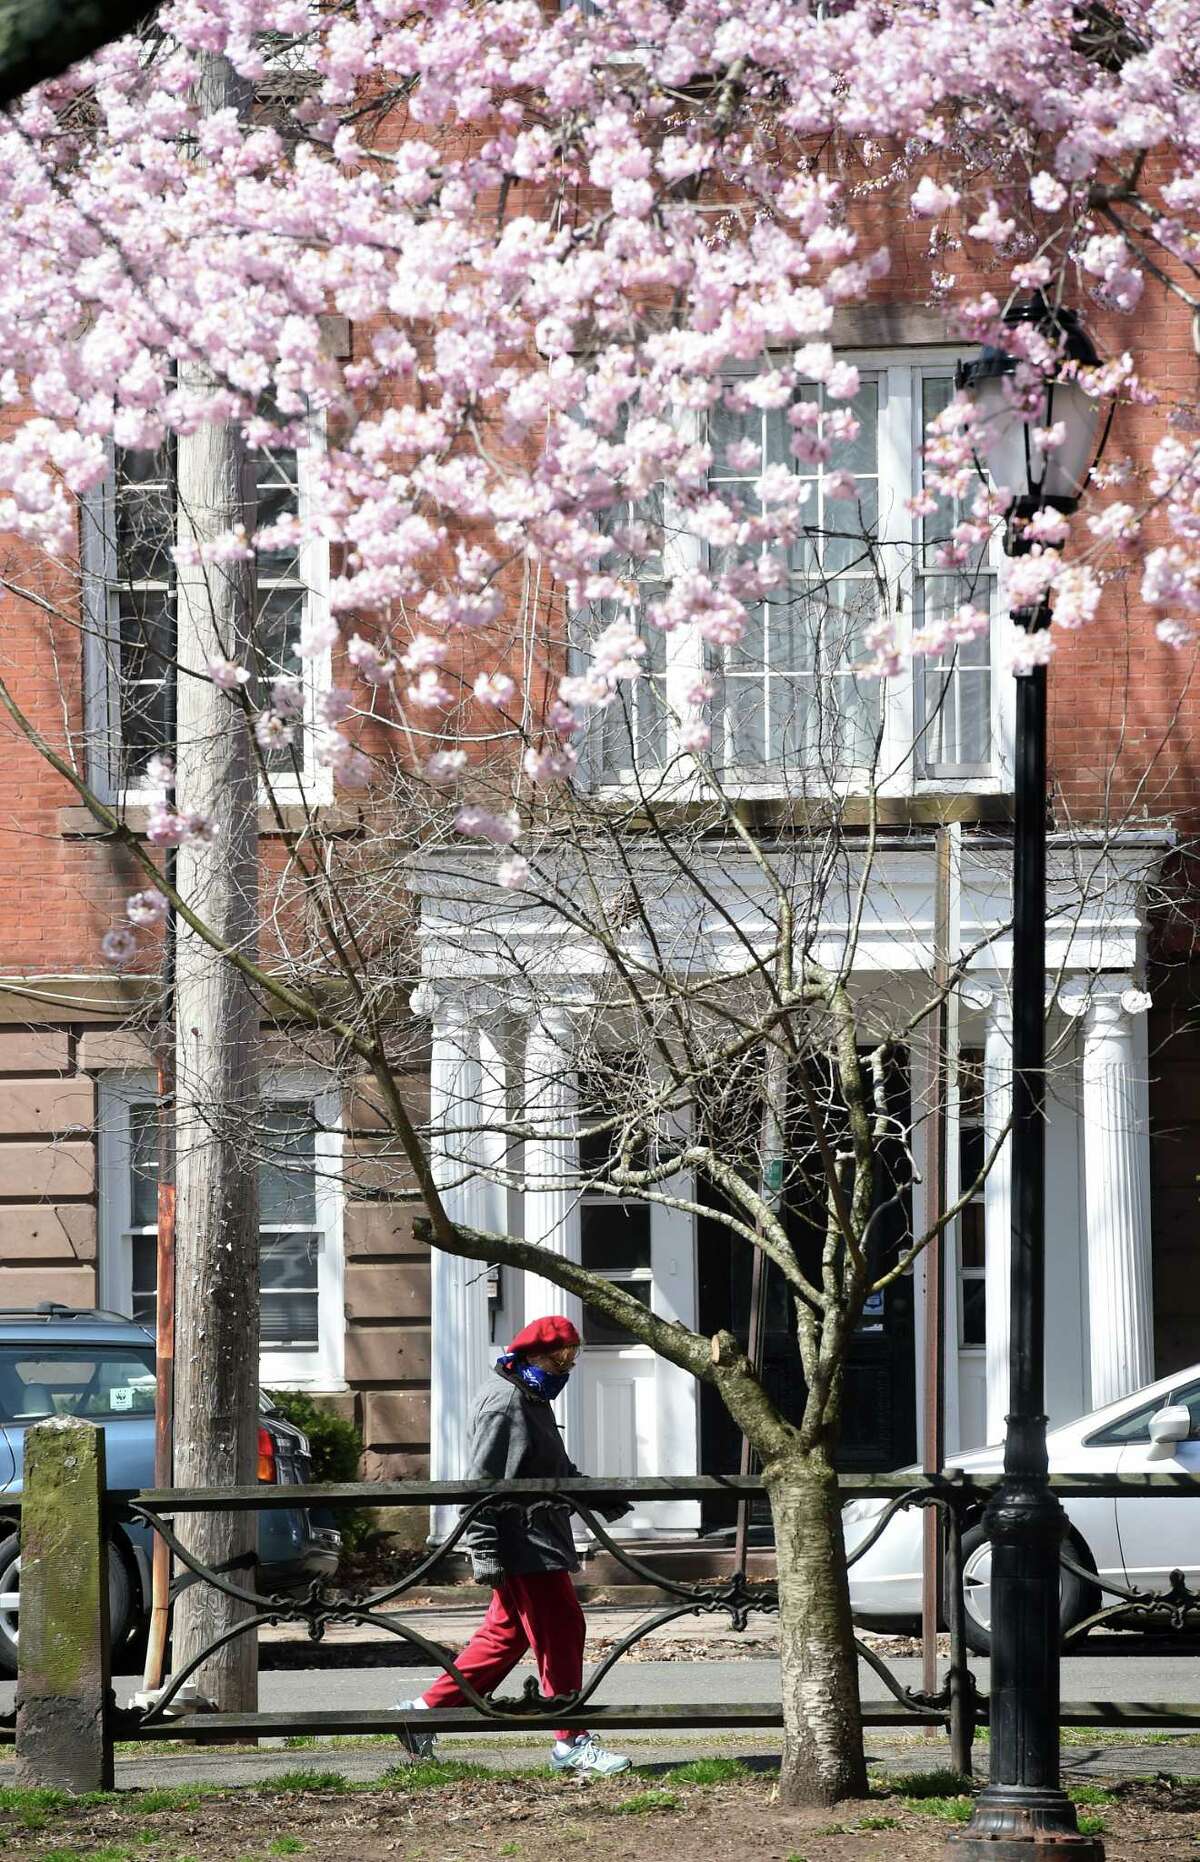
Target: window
789, 693
129, 531
972, 1154
300, 1285
614, 1240
97, 1381
954, 690
793, 705
1136, 1426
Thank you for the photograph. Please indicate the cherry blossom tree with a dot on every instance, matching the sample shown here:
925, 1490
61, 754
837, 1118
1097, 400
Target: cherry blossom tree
575, 246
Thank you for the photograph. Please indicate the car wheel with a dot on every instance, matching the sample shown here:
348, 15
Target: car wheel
1075, 1599
119, 1600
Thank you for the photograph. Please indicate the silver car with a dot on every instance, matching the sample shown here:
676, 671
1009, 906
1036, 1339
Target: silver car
1138, 1540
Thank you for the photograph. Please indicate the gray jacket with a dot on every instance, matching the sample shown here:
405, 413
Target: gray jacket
514, 1436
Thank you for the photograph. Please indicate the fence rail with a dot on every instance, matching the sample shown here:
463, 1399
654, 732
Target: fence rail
956, 1704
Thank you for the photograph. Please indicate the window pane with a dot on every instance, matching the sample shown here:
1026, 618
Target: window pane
971, 1235
287, 1187
278, 496
145, 514
95, 1381
143, 1165
956, 687
144, 1280
859, 455
615, 1238
597, 1330
280, 617
146, 624
974, 1312
288, 1280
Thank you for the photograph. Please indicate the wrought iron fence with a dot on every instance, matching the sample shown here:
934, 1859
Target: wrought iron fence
956, 1704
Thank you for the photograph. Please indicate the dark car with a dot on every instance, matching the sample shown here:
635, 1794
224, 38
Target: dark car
59, 1361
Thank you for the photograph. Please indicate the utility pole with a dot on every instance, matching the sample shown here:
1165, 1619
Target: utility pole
216, 1021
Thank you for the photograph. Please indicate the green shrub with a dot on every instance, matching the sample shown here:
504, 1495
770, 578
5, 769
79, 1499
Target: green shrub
337, 1449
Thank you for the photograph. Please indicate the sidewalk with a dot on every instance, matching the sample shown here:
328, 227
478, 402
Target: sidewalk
697, 1637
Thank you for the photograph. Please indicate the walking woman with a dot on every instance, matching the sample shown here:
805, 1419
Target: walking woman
526, 1554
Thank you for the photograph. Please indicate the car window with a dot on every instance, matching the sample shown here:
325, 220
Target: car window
97, 1381
1136, 1426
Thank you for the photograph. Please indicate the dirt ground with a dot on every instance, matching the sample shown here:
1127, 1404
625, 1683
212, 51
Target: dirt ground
421, 1816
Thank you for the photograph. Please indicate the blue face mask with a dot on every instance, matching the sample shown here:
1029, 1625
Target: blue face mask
544, 1384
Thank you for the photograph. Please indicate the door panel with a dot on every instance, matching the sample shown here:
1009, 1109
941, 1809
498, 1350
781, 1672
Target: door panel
639, 1412
1160, 1536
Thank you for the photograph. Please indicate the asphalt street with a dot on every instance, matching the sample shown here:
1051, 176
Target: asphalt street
1108, 1677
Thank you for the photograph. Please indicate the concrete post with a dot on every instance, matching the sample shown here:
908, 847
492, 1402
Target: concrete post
63, 1681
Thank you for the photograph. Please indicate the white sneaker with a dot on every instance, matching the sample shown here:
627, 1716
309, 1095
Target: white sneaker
588, 1758
417, 1745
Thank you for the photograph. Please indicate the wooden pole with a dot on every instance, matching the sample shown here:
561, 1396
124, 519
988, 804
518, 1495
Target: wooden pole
216, 1016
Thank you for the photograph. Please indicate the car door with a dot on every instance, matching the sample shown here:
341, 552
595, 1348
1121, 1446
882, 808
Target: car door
1161, 1534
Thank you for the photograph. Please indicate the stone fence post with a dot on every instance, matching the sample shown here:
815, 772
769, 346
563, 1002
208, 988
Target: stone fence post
63, 1736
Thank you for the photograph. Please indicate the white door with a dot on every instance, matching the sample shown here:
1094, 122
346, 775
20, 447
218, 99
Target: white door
640, 1414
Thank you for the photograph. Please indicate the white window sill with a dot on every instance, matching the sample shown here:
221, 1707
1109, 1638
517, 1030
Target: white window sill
76, 822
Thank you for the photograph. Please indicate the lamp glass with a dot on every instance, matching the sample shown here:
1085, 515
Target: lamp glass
1008, 447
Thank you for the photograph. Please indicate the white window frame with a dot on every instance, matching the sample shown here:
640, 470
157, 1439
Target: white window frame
323, 1369
899, 374
102, 647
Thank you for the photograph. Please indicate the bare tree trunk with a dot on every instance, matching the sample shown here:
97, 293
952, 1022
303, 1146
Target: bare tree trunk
217, 1323
822, 1728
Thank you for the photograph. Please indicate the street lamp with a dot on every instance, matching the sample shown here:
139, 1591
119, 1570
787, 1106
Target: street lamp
1023, 1810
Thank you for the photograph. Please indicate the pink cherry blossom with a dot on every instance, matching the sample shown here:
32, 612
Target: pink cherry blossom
482, 824
146, 909
513, 873
369, 662
318, 633
931, 198
287, 696
445, 766
118, 947
494, 688
273, 731
227, 674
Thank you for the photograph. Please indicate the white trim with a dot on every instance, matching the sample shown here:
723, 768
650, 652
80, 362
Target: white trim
101, 656
118, 1090
897, 373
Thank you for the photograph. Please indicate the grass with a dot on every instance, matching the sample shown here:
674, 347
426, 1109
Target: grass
1091, 1794
308, 1780
285, 1846
947, 1809
943, 1783
1091, 1826
510, 1849
646, 1804
711, 1771
431, 1774
878, 1823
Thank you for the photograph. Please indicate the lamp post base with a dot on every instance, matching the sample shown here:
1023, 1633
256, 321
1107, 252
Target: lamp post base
1015, 1824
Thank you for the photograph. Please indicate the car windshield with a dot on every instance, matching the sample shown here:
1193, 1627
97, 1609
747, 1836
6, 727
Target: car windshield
43, 1380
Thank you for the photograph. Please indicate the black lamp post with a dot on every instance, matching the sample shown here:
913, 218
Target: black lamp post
1023, 1810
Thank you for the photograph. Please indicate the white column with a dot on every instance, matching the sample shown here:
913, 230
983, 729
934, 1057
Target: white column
1116, 1132
459, 1318
551, 1198
997, 1209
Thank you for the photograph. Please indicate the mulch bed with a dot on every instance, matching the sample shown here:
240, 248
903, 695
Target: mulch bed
535, 1816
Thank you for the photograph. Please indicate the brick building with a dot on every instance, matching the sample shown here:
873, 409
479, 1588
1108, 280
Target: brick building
351, 1307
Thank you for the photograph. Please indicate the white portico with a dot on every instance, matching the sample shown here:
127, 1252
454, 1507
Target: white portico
510, 982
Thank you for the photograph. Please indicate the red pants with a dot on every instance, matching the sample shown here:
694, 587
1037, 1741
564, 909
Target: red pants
539, 1610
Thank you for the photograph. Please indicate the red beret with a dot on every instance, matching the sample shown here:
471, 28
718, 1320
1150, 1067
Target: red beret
549, 1334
